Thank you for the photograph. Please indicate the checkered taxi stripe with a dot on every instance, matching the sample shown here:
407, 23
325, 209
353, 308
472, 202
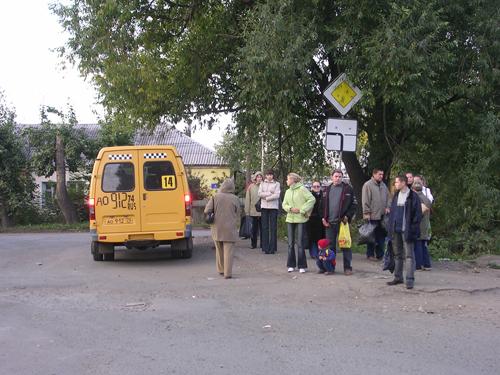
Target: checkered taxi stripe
120, 157
155, 155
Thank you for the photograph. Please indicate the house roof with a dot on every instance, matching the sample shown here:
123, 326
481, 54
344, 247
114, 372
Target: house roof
192, 152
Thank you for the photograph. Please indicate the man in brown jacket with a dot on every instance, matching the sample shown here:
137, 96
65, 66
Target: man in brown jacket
226, 206
375, 199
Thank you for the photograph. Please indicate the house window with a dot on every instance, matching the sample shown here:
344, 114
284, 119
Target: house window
48, 193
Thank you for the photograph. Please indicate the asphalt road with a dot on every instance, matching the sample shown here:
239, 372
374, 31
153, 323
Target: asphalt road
145, 313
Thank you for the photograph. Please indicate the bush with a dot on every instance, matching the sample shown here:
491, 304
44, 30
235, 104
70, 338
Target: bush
198, 190
77, 196
464, 245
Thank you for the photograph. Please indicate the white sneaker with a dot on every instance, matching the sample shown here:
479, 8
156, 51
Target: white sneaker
290, 269
302, 270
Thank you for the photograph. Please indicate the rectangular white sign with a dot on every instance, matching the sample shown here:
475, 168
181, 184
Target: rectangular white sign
341, 135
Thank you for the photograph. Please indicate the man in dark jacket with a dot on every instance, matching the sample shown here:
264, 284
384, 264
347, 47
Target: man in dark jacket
338, 204
404, 230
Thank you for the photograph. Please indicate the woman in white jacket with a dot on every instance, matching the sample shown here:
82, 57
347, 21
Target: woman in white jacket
269, 193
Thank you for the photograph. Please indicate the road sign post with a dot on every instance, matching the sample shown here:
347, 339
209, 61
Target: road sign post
341, 134
342, 94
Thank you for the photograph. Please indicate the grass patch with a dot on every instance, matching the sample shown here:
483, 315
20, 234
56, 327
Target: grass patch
494, 266
52, 227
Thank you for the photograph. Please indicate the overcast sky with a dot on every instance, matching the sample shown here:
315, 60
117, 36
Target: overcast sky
32, 75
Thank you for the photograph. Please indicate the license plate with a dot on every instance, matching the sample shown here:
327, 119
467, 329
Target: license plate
112, 220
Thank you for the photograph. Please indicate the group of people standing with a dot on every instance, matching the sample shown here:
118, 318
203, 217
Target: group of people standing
314, 218
310, 217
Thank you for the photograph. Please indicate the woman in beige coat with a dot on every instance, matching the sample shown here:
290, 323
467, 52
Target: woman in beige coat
251, 197
226, 206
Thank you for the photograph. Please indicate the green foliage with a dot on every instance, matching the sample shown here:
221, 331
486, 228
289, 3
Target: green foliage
116, 130
16, 183
156, 59
197, 188
465, 245
282, 99
79, 149
77, 195
30, 213
464, 176
240, 152
428, 70
282, 227
48, 227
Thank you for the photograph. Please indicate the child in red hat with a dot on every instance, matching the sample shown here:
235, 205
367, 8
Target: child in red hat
326, 257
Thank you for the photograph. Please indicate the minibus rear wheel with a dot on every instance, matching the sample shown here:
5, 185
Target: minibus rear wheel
94, 249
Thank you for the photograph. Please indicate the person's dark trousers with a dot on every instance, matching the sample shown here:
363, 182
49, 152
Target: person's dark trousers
256, 231
377, 248
332, 233
422, 258
404, 257
325, 265
295, 233
269, 230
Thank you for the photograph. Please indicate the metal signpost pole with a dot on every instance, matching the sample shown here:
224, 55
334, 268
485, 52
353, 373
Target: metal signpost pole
341, 149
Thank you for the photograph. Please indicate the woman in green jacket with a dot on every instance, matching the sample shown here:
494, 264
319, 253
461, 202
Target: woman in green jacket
298, 203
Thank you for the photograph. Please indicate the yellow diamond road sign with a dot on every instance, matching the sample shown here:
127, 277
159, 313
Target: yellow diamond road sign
342, 94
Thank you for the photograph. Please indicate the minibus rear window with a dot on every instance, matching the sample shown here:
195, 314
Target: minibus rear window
159, 175
118, 177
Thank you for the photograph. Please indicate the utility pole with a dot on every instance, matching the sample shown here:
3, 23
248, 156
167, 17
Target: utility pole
262, 152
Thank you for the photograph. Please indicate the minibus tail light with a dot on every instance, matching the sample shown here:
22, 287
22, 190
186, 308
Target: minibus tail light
91, 209
187, 204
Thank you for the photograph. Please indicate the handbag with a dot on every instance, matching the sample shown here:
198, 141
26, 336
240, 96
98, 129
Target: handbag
258, 208
367, 233
246, 227
210, 215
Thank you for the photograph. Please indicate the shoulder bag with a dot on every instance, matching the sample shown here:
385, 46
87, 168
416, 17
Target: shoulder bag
210, 215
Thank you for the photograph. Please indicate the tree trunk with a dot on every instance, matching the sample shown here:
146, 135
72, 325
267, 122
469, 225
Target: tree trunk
248, 173
356, 175
280, 160
4, 216
63, 200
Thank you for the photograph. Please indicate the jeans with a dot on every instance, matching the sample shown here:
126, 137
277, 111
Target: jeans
404, 257
377, 248
269, 234
295, 233
332, 232
325, 265
256, 231
422, 258
313, 250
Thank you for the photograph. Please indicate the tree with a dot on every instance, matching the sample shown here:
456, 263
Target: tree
58, 147
16, 183
421, 65
157, 60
